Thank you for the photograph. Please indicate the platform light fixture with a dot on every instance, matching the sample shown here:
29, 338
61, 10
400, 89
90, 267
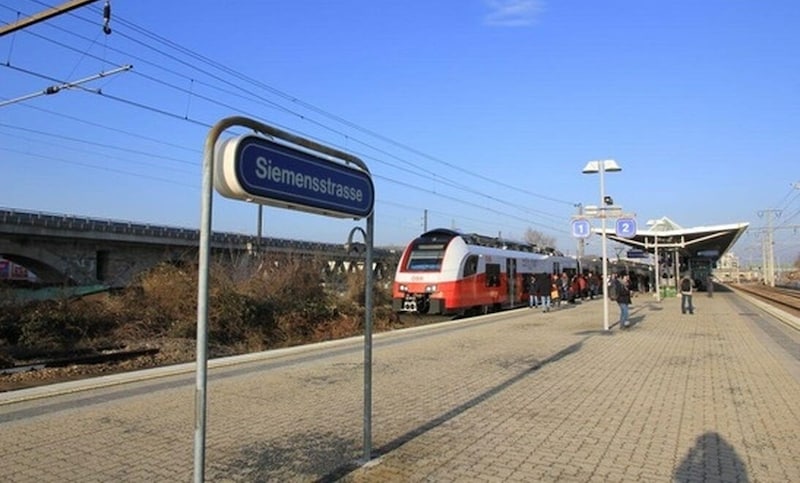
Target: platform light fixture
603, 166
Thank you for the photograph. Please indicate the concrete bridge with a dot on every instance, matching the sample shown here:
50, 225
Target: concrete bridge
73, 250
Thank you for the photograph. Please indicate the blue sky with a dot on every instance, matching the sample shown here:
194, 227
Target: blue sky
482, 112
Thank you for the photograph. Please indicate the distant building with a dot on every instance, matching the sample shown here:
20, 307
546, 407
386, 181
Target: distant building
729, 270
729, 261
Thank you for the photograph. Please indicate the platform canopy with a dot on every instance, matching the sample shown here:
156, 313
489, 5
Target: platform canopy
700, 242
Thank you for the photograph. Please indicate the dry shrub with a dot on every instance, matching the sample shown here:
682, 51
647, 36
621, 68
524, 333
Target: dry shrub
356, 292
7, 297
235, 318
384, 318
296, 300
64, 324
165, 301
339, 328
292, 281
9, 324
255, 303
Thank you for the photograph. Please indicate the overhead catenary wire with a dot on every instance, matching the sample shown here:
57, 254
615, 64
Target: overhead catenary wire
421, 169
208, 124
111, 147
101, 168
390, 180
194, 150
300, 102
442, 181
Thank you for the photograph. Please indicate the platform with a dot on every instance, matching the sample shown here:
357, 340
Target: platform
713, 396
515, 396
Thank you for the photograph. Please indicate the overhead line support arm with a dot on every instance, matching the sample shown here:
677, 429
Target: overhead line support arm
42, 16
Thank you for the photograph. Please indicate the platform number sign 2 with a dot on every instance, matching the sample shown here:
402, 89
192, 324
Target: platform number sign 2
626, 227
581, 228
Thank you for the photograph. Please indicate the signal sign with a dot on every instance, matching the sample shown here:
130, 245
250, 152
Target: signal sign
626, 227
581, 228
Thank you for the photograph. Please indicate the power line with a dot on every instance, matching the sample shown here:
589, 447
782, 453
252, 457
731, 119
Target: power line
106, 127
128, 160
318, 110
207, 124
102, 145
101, 168
792, 190
313, 108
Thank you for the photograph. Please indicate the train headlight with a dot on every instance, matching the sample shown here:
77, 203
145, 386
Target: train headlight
431, 288
404, 288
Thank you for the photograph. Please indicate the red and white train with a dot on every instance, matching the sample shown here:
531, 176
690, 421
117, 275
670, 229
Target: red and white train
447, 272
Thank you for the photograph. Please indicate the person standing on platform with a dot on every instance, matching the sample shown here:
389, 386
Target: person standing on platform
563, 287
623, 300
710, 285
543, 291
593, 285
686, 294
555, 296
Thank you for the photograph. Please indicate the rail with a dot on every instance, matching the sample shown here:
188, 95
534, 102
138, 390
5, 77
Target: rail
784, 298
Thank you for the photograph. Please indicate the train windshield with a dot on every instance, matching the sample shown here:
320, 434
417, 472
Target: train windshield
426, 257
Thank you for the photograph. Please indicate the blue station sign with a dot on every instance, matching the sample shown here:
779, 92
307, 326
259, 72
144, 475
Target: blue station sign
626, 227
256, 169
581, 228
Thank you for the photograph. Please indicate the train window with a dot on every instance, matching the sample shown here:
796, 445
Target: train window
471, 265
492, 275
425, 260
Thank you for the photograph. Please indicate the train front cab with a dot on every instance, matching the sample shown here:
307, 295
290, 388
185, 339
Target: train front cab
418, 281
473, 291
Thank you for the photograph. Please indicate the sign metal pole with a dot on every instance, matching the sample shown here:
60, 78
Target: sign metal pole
357, 183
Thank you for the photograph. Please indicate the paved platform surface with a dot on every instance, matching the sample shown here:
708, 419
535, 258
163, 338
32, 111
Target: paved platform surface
515, 396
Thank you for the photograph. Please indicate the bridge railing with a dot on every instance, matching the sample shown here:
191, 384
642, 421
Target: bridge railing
238, 240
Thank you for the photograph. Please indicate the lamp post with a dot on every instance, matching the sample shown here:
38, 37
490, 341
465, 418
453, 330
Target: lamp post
602, 167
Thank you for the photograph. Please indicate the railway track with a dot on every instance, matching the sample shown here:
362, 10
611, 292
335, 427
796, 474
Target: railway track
784, 298
87, 357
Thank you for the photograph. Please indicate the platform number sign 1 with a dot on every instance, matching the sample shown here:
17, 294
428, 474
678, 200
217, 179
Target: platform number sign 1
581, 228
626, 227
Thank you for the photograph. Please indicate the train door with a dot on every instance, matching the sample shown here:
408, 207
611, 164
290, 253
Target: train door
511, 276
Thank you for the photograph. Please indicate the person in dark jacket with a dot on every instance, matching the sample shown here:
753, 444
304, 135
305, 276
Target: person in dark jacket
686, 287
532, 292
623, 300
543, 290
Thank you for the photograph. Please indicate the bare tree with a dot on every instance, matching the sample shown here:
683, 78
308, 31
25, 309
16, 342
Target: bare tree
538, 238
